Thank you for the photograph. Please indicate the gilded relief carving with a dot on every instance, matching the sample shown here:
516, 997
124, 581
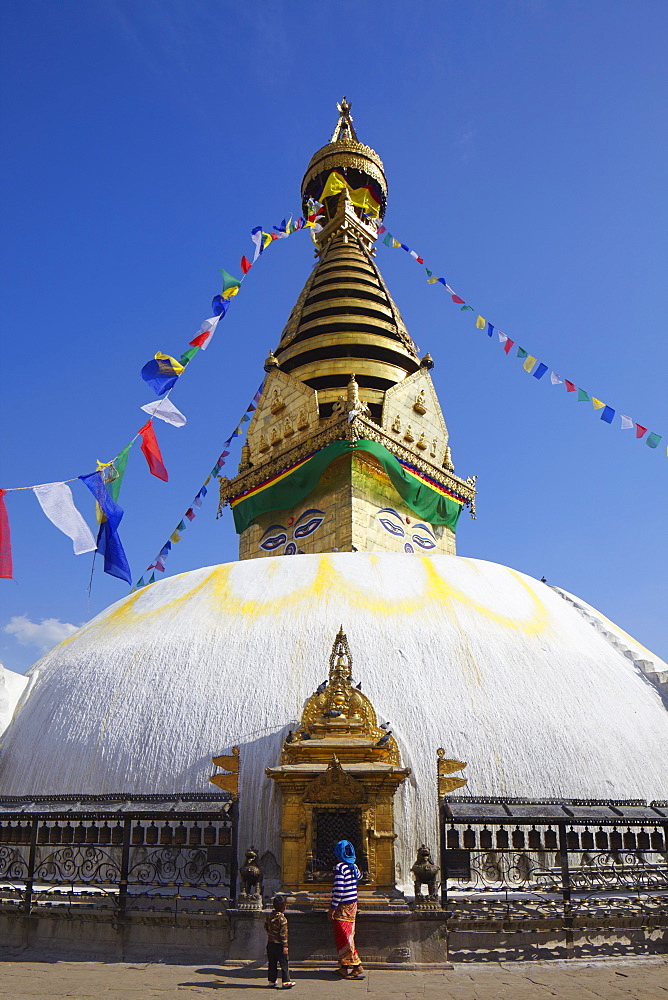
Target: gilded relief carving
335, 786
277, 403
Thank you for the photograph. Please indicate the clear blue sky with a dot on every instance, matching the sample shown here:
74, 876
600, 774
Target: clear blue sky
525, 147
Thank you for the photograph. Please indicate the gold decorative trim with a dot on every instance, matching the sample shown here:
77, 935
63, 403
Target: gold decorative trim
445, 768
339, 429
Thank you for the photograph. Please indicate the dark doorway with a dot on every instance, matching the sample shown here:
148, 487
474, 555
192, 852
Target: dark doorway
332, 825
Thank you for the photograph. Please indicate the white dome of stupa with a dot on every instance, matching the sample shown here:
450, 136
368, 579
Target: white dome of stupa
540, 696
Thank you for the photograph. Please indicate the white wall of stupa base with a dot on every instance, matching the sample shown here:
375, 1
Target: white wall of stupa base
499, 669
12, 686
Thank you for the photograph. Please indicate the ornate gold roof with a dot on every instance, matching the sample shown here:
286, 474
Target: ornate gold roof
344, 151
339, 719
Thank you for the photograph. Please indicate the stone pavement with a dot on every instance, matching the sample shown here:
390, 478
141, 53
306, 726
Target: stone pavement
637, 979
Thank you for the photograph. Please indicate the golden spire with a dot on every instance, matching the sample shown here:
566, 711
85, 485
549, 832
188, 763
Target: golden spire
344, 127
359, 163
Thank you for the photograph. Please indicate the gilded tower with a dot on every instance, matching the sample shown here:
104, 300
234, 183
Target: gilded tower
348, 449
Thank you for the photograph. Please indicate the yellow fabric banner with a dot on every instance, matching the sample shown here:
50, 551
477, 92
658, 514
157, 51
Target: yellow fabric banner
481, 323
598, 405
529, 363
361, 197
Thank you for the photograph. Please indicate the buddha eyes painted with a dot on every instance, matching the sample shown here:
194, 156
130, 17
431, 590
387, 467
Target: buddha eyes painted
273, 538
394, 529
423, 536
418, 533
277, 534
307, 523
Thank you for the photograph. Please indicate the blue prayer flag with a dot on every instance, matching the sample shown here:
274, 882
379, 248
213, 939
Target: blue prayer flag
490, 331
608, 414
161, 373
539, 370
108, 543
219, 306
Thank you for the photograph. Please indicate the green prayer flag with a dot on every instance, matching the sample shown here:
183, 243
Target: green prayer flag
152, 579
181, 526
229, 281
120, 463
188, 355
582, 396
418, 495
652, 440
464, 308
521, 353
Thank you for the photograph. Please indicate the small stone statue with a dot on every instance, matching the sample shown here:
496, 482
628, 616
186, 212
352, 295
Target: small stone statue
425, 873
251, 876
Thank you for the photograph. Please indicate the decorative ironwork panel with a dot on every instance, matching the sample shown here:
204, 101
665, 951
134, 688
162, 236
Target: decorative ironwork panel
332, 825
77, 865
537, 868
13, 863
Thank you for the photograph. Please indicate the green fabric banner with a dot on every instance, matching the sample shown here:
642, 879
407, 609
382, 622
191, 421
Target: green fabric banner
120, 463
288, 491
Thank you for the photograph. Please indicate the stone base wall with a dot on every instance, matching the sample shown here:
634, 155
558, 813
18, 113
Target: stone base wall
385, 939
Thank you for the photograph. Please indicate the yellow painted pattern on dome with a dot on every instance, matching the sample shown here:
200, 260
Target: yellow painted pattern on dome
328, 580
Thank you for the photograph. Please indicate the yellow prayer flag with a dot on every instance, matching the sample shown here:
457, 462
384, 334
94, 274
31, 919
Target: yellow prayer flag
175, 365
175, 537
395, 243
481, 323
432, 281
529, 363
598, 405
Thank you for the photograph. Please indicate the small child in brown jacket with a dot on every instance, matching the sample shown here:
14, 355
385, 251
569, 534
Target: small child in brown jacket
276, 926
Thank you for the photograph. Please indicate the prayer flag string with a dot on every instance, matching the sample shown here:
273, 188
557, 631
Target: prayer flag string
161, 373
530, 364
175, 537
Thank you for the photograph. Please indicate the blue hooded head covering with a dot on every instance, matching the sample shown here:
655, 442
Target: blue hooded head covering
344, 851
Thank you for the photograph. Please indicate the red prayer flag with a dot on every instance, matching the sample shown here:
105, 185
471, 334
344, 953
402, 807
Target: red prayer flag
151, 450
245, 265
569, 386
508, 344
5, 542
460, 302
640, 431
201, 339
190, 513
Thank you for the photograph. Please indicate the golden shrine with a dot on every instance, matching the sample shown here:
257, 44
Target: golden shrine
337, 776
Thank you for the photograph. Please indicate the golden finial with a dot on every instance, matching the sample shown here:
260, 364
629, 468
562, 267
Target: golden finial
344, 126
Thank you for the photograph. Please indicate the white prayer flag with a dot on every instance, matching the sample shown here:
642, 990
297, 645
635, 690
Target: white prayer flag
555, 380
165, 410
206, 332
627, 423
56, 501
502, 337
257, 237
